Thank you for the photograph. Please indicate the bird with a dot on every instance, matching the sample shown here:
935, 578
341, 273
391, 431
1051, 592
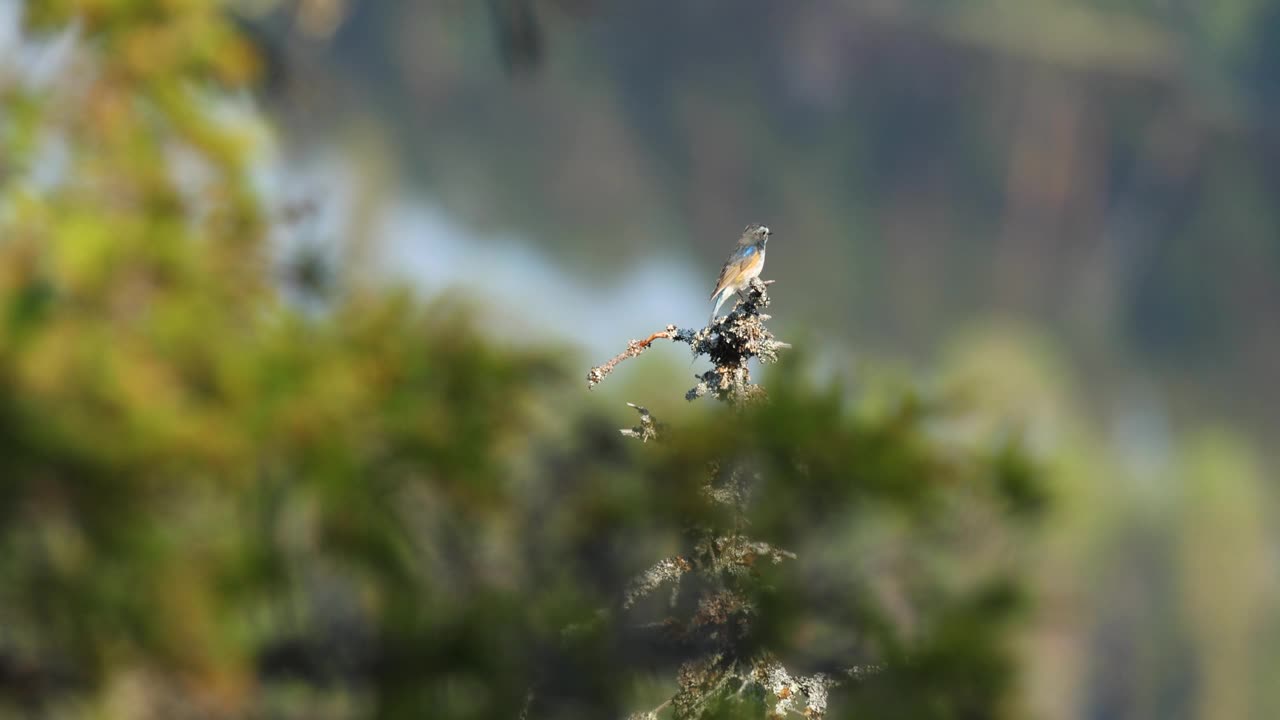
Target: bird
744, 264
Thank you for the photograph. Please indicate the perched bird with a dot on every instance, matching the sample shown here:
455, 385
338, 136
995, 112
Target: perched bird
745, 263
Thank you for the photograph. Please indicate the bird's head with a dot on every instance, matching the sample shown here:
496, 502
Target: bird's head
755, 235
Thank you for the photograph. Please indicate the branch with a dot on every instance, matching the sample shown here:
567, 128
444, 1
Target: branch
668, 570
634, 348
648, 429
729, 342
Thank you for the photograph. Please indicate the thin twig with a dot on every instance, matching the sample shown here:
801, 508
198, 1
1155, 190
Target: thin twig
634, 348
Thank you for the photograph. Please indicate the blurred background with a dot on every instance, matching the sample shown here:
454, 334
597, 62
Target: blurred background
1066, 210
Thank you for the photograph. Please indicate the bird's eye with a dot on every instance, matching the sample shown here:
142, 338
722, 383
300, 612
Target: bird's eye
764, 230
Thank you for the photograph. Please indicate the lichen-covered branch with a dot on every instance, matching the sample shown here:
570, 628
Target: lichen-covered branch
729, 342
634, 348
801, 694
668, 570
647, 430
737, 554
762, 677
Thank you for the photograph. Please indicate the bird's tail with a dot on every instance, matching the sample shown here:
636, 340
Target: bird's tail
724, 295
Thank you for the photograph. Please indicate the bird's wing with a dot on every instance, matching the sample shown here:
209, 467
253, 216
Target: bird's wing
732, 270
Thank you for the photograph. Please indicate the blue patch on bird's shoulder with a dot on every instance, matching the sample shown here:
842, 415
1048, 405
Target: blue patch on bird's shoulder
748, 251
